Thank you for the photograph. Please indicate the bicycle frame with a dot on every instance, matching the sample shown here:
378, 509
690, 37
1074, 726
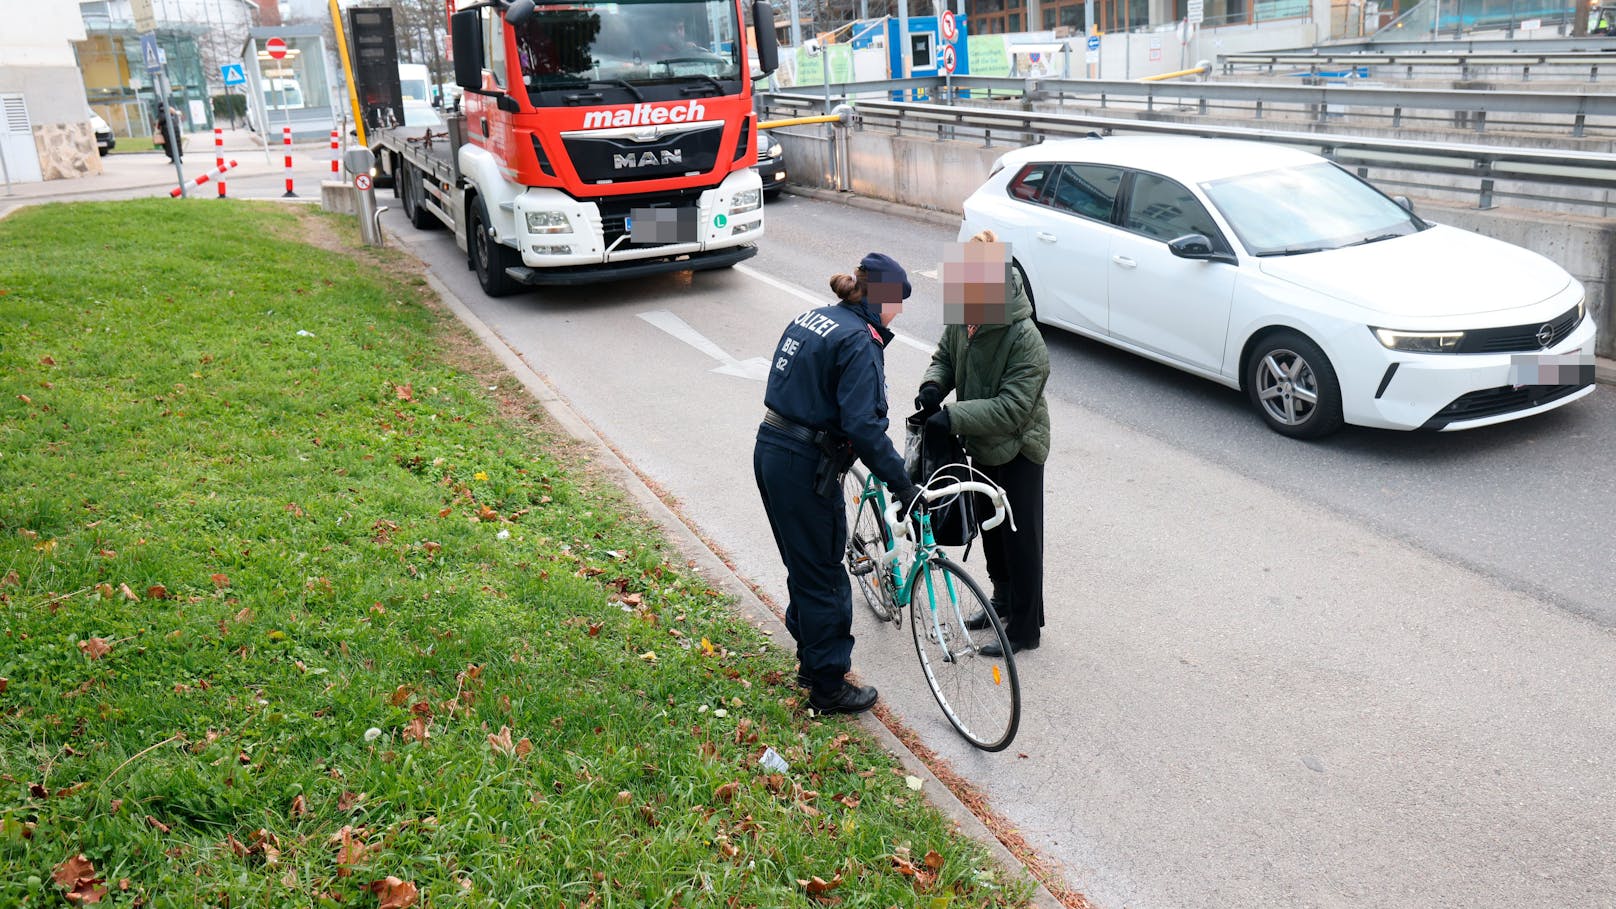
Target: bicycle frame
901, 584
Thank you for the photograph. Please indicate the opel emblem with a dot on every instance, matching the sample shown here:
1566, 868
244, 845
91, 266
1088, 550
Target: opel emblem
1545, 335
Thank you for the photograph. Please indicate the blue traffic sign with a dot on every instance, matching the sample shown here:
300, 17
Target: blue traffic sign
1094, 42
151, 54
233, 74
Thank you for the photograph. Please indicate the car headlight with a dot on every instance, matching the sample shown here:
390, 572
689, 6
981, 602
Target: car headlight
1419, 341
746, 200
1582, 310
775, 150
548, 222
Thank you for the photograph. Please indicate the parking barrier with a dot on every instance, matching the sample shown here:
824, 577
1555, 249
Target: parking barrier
335, 171
219, 171
286, 140
218, 154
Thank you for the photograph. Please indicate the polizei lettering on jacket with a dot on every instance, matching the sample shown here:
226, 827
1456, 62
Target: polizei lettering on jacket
645, 115
816, 323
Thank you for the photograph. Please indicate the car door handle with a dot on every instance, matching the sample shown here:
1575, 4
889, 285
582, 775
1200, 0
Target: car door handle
1125, 262
1046, 236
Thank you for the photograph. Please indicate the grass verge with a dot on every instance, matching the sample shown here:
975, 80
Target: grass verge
295, 613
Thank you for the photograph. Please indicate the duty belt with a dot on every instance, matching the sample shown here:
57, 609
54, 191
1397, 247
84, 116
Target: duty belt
792, 428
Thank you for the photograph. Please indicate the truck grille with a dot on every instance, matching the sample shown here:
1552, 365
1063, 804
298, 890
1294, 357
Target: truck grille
616, 210
621, 159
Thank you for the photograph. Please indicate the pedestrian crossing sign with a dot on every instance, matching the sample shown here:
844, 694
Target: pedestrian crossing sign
233, 74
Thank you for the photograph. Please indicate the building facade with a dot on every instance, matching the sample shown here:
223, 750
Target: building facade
45, 129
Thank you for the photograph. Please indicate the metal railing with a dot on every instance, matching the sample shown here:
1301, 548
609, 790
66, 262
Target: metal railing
1392, 108
1464, 62
1487, 164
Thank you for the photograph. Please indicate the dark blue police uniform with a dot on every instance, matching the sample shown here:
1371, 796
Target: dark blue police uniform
828, 376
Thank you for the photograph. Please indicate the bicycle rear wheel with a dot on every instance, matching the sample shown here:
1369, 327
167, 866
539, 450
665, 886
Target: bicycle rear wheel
980, 695
867, 542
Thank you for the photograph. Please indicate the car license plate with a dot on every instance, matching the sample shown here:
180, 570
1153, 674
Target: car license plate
662, 225
1551, 369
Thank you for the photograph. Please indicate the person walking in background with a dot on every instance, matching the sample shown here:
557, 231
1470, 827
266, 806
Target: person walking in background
825, 404
993, 358
166, 130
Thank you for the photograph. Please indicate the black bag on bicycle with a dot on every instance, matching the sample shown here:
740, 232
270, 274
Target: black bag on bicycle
953, 520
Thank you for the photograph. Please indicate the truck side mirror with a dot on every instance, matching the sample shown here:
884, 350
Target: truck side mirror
519, 12
467, 28
768, 49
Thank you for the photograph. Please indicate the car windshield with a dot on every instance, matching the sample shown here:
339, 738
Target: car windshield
626, 46
1307, 209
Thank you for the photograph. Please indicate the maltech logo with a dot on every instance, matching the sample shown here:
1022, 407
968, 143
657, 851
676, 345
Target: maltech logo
646, 115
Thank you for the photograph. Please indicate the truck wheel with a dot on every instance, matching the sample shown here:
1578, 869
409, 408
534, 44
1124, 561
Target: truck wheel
412, 192
490, 257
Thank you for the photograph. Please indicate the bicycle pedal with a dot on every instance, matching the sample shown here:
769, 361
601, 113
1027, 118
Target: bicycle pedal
861, 567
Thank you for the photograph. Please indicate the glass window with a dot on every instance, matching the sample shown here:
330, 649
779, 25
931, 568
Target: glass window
1165, 210
494, 45
1029, 185
1049, 18
1312, 207
1015, 22
1089, 190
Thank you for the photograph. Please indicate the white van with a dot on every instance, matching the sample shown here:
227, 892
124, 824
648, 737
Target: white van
415, 82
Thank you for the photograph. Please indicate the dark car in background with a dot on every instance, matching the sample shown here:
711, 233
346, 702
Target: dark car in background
771, 164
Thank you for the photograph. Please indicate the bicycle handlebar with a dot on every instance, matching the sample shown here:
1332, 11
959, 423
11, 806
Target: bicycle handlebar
1001, 504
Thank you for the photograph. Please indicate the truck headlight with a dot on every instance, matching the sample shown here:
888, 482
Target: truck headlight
746, 200
1419, 341
548, 222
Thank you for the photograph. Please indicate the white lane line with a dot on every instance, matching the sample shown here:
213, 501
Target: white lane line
755, 368
817, 301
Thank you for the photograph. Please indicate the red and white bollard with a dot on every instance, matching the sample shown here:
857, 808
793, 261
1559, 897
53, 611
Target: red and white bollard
218, 154
334, 154
286, 139
219, 171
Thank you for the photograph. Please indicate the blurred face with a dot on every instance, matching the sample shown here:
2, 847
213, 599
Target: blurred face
976, 283
884, 294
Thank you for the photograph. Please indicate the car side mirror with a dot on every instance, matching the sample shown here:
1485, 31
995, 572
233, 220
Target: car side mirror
1405, 202
1197, 246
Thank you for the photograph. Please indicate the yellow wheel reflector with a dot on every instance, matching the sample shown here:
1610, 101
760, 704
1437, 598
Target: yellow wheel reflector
996, 678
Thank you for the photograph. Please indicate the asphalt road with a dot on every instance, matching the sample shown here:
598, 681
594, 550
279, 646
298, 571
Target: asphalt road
1373, 670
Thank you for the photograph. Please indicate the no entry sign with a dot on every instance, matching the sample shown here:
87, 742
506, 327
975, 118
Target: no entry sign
276, 47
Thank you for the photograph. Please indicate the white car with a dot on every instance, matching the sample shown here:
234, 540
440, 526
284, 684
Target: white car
105, 141
1277, 272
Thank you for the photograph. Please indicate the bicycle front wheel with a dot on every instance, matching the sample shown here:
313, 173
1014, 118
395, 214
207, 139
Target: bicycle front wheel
980, 695
867, 542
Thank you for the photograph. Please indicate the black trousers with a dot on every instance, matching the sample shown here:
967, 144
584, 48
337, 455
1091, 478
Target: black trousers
811, 533
1016, 558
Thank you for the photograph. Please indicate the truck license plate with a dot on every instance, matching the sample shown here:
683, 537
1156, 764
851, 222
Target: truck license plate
662, 225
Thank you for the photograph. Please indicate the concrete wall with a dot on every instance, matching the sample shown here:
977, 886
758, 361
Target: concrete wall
938, 174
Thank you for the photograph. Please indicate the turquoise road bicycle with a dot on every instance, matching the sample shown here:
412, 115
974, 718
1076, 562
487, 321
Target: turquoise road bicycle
980, 694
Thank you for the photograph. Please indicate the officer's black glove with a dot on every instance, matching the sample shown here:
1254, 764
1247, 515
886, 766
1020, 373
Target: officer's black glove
911, 499
930, 397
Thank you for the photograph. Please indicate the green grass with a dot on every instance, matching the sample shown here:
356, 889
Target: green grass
133, 145
253, 468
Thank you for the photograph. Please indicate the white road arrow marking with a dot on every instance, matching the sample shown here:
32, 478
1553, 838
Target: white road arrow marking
754, 368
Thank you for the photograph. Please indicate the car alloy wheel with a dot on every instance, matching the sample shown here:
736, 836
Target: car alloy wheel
1294, 387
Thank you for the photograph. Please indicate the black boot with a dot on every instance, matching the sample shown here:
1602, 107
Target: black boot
847, 699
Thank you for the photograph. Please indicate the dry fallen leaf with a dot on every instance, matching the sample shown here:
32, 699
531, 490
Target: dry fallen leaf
300, 807
95, 648
400, 695
350, 851
934, 860
417, 731
220, 580
157, 824
404, 392
726, 792
128, 594
11, 579
393, 893
501, 743
71, 871
817, 885
523, 748
157, 592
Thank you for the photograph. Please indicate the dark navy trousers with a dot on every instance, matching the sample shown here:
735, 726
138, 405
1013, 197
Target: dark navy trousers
811, 533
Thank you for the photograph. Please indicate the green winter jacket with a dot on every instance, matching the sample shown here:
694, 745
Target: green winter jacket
998, 379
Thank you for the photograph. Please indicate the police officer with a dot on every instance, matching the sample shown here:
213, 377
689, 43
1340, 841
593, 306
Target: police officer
826, 403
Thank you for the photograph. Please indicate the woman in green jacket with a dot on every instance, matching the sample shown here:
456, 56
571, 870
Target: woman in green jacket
993, 358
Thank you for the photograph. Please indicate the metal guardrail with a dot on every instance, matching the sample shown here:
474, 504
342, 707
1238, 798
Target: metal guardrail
1319, 102
1552, 167
1477, 46
1592, 60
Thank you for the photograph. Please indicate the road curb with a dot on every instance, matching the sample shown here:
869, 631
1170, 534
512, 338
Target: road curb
712, 566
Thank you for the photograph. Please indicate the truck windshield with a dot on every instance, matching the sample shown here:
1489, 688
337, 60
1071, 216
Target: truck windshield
622, 48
